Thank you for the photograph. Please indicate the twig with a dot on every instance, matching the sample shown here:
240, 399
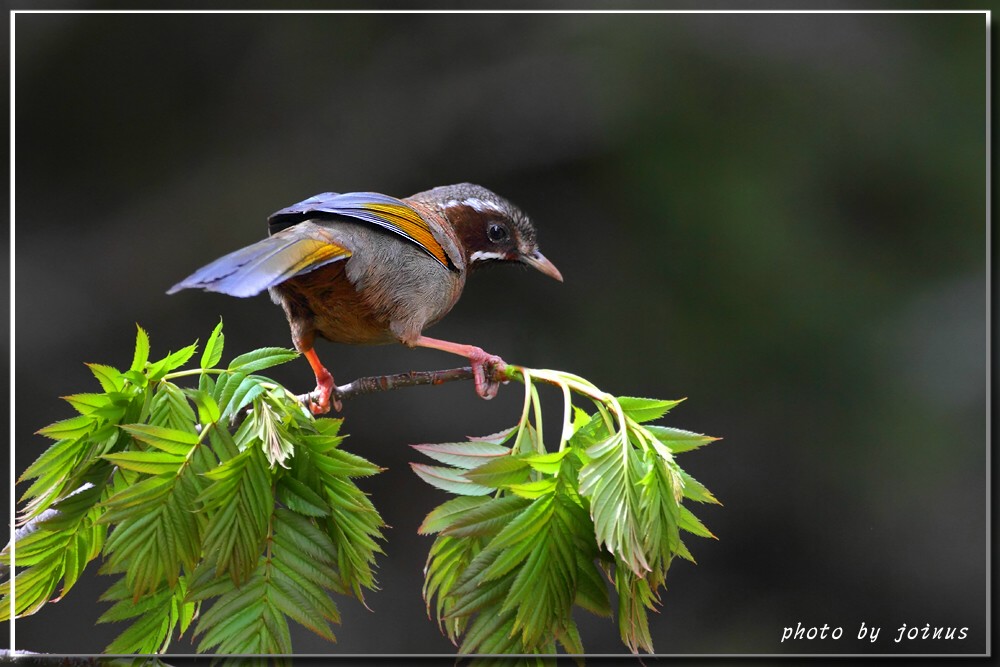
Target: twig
377, 383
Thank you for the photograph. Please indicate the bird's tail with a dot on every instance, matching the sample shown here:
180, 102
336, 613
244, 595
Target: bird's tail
251, 270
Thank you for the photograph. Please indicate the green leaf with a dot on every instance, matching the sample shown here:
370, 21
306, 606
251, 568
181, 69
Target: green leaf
689, 522
246, 391
525, 524
446, 514
532, 490
500, 471
546, 463
645, 409
172, 361
109, 377
208, 409
678, 441
85, 404
610, 481
226, 386
487, 519
298, 497
141, 355
449, 479
580, 418
74, 427
265, 357
152, 463
58, 549
239, 502
213, 348
696, 491
169, 440
464, 454
294, 582
156, 616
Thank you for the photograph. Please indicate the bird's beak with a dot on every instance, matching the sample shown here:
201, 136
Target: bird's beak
537, 260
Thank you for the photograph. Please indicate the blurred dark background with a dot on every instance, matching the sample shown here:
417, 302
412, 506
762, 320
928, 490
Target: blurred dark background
780, 217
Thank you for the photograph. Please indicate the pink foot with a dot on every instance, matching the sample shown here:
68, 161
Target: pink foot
322, 396
319, 399
484, 368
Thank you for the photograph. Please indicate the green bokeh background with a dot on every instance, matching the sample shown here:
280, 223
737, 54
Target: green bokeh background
780, 217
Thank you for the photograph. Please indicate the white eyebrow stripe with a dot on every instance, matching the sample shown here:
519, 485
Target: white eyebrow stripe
482, 256
476, 204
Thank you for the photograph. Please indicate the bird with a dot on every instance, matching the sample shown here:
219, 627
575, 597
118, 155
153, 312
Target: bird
364, 268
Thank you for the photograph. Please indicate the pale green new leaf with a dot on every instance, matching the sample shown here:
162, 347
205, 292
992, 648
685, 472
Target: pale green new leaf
447, 514
258, 360
609, 481
645, 409
151, 463
169, 440
213, 348
141, 355
677, 440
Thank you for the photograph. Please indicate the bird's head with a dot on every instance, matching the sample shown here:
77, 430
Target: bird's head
490, 228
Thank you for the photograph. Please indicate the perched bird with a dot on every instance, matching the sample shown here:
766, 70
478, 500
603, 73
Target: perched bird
367, 269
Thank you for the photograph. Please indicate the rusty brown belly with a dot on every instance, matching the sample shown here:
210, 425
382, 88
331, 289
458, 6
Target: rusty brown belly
325, 303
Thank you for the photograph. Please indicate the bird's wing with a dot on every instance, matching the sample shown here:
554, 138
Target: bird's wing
251, 270
386, 212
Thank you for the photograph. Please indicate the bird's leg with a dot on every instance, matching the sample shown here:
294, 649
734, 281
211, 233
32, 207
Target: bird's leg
324, 386
486, 386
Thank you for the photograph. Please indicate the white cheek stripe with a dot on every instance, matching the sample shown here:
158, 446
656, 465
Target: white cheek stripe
476, 204
482, 256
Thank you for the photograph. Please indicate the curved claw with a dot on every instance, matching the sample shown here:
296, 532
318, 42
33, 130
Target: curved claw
484, 369
319, 399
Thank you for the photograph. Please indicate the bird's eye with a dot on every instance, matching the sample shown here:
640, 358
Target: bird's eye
496, 233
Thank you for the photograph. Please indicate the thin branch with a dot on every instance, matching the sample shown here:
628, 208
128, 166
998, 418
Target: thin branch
378, 383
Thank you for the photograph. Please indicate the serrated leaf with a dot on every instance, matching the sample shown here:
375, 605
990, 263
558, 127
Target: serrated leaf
696, 491
449, 479
141, 355
74, 427
208, 409
152, 463
299, 498
689, 522
172, 361
532, 490
488, 519
500, 471
645, 409
609, 480
109, 377
497, 438
463, 454
546, 463
525, 524
677, 440
447, 513
169, 440
213, 348
265, 357
85, 404
246, 391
